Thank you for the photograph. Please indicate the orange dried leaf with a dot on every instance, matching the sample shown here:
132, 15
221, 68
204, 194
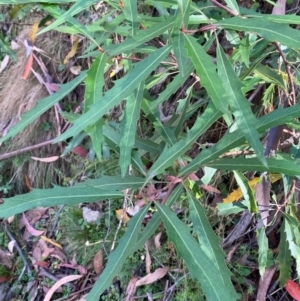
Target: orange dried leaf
27, 67
293, 289
50, 241
33, 31
236, 194
122, 215
72, 51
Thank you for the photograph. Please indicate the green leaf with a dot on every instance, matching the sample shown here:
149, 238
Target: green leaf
287, 167
236, 138
180, 54
270, 75
263, 247
125, 248
141, 37
271, 31
232, 4
209, 242
113, 183
54, 197
284, 257
184, 6
43, 105
286, 19
248, 194
239, 104
128, 127
131, 14
206, 70
77, 7
169, 155
121, 89
156, 220
199, 264
291, 231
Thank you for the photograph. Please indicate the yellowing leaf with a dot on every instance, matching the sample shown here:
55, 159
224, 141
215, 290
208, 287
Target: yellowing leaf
122, 215
236, 194
33, 31
50, 241
72, 51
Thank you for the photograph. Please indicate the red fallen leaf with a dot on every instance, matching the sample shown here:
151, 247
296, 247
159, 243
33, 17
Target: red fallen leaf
80, 151
42, 264
293, 289
4, 279
27, 67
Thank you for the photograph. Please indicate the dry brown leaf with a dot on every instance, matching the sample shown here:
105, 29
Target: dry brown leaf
29, 228
148, 258
80, 151
98, 262
152, 277
264, 283
11, 245
157, 240
262, 195
47, 160
131, 288
5, 259
75, 70
72, 51
59, 283
41, 251
279, 8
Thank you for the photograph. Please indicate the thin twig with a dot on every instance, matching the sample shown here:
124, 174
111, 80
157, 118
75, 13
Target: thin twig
19, 250
25, 149
224, 7
55, 221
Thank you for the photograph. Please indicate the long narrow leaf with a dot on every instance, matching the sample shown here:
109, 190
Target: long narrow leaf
239, 104
206, 70
231, 140
169, 155
200, 265
267, 29
79, 6
209, 241
287, 167
117, 258
131, 14
129, 124
54, 197
121, 89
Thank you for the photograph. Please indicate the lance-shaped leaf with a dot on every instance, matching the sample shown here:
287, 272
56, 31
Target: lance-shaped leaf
236, 138
94, 84
131, 14
206, 70
169, 155
43, 105
271, 31
263, 247
128, 127
125, 248
121, 89
284, 258
199, 264
248, 194
184, 7
287, 167
77, 7
54, 197
232, 4
181, 54
239, 105
209, 241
